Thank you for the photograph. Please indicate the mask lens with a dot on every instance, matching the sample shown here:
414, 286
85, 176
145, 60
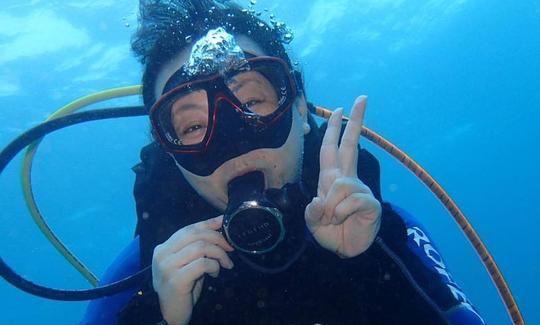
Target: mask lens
261, 87
255, 92
184, 118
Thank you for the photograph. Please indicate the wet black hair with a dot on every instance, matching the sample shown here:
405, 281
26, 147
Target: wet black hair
168, 26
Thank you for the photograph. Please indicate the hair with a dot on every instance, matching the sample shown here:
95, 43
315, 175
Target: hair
168, 26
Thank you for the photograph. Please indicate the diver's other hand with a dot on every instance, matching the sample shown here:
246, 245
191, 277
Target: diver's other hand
180, 264
344, 217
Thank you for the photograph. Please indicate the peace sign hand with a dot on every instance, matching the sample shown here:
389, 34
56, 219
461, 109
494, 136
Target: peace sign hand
344, 217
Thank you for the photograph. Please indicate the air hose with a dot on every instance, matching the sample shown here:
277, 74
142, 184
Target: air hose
65, 117
26, 174
18, 145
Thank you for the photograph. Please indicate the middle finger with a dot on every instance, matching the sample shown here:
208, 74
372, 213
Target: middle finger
199, 249
348, 149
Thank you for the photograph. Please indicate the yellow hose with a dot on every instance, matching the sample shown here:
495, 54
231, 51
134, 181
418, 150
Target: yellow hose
26, 175
407, 161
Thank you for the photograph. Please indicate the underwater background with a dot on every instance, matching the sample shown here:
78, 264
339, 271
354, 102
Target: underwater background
456, 84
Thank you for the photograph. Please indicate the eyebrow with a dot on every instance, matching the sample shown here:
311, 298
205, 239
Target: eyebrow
187, 106
239, 84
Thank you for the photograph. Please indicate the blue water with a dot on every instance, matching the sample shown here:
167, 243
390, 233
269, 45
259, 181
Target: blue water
454, 83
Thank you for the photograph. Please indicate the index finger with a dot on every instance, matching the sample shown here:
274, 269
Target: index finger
206, 230
348, 149
211, 224
328, 155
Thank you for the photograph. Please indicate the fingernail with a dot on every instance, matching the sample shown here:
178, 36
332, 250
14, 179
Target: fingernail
360, 98
216, 219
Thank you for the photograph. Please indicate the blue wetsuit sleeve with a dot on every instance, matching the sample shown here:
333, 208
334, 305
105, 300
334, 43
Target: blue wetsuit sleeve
424, 262
104, 311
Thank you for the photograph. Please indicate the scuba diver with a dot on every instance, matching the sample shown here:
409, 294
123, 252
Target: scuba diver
248, 210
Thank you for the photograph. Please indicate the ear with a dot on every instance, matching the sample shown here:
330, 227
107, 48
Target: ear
302, 107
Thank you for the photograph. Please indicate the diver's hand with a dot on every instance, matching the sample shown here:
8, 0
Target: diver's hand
180, 264
344, 217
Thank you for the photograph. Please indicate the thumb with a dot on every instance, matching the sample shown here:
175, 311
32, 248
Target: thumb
314, 213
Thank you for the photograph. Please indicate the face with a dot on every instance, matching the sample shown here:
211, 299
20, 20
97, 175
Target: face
280, 165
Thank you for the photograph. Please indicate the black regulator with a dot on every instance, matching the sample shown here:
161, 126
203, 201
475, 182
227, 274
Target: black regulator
266, 227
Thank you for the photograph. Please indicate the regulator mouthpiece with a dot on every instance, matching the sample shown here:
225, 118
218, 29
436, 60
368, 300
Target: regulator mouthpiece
251, 223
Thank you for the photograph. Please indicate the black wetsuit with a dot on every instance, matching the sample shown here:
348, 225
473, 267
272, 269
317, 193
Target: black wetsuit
400, 279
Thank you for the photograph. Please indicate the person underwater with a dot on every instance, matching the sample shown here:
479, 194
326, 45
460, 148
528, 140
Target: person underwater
248, 210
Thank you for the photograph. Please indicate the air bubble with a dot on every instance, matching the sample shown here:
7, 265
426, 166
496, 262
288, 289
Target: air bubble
188, 39
216, 52
253, 2
288, 38
285, 33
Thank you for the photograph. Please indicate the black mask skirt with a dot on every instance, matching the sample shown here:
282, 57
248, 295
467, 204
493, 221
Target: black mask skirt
205, 121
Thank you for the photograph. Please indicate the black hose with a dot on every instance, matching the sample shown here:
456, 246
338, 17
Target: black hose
17, 146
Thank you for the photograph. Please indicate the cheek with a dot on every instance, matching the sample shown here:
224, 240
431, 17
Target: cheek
287, 160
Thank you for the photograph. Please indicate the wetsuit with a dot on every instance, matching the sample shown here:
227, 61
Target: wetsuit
400, 279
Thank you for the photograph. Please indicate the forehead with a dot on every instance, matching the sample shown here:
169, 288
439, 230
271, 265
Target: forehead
169, 68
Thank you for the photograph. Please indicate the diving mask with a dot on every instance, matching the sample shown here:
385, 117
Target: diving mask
204, 121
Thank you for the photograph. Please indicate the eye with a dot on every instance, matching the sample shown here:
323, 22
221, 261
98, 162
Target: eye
252, 103
193, 128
